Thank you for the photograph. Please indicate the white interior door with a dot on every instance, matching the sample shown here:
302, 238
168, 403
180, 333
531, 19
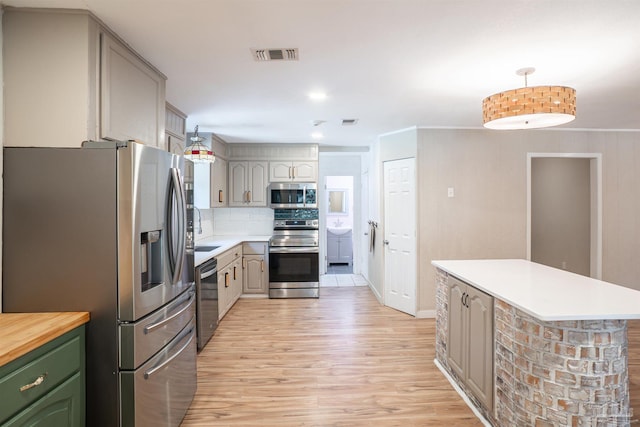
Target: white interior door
400, 235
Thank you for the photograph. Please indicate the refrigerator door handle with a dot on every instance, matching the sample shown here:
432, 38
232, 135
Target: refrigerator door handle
149, 328
175, 193
156, 368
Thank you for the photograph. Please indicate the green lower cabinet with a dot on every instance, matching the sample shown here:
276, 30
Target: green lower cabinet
46, 387
61, 407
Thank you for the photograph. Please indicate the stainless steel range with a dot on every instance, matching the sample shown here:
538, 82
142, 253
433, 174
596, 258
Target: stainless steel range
294, 254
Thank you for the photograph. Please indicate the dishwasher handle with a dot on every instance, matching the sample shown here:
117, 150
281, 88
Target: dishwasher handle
208, 269
208, 273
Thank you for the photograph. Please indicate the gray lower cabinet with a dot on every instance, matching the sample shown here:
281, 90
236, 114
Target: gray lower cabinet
340, 248
229, 279
255, 264
470, 339
46, 387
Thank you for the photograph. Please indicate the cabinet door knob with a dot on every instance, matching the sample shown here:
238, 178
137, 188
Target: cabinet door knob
220, 196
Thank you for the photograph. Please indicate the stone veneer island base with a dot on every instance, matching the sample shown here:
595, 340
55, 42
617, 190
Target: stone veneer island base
559, 344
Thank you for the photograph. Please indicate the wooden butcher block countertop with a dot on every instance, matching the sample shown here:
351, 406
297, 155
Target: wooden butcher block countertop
22, 332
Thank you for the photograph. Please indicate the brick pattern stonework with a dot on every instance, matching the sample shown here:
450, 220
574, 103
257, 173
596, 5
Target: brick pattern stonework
442, 322
570, 373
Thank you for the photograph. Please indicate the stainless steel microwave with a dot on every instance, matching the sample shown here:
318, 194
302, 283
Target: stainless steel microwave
293, 195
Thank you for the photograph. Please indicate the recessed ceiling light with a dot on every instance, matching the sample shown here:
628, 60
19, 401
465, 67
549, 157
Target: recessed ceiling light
317, 96
317, 135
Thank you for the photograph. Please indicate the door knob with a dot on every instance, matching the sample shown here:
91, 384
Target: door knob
386, 242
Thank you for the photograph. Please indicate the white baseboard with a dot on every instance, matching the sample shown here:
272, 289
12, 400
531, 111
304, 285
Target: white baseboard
426, 314
462, 394
375, 293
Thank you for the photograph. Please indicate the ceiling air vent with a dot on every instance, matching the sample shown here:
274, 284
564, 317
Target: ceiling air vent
349, 122
275, 54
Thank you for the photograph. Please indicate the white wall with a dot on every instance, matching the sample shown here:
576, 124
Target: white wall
561, 213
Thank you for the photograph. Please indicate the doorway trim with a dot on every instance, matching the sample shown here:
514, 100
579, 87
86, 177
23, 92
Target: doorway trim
596, 206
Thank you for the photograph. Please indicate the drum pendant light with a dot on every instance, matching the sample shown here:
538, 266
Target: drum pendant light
197, 152
529, 107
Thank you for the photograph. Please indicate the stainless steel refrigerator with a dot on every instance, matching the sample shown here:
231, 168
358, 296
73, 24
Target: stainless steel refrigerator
108, 228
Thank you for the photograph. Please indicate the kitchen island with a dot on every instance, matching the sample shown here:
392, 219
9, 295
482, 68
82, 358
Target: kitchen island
557, 342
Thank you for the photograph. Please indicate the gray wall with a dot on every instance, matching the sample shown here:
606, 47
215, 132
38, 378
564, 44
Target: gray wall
561, 213
487, 216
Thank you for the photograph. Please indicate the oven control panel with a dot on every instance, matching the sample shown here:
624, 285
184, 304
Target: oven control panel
287, 224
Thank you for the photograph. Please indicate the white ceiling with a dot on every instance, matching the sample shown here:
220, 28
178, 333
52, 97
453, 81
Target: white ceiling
391, 64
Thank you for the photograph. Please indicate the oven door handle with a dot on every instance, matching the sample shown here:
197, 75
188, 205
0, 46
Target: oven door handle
293, 249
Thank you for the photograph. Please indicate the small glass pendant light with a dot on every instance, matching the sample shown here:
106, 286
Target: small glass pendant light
197, 152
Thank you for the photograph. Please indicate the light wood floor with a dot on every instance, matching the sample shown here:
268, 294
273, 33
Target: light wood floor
341, 360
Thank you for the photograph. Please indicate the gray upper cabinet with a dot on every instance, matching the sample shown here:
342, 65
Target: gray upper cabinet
219, 192
291, 171
248, 183
132, 103
68, 79
175, 130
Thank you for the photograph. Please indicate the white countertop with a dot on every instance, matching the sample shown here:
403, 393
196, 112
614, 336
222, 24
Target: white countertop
225, 243
544, 292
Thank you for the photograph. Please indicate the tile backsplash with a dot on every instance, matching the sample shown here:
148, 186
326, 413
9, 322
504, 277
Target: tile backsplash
233, 221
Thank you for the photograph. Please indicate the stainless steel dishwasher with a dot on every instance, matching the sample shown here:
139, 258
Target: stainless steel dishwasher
206, 301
